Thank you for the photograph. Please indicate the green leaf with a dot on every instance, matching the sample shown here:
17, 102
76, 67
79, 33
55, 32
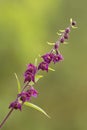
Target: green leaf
35, 62
74, 27
49, 43
65, 43
51, 69
37, 77
59, 34
62, 31
71, 20
36, 107
18, 83
39, 55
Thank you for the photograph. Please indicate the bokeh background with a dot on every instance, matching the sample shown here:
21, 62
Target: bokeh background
25, 27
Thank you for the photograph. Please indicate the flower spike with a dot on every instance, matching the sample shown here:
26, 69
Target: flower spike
31, 77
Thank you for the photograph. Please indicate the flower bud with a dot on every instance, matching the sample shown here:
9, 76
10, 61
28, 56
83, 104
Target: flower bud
62, 40
66, 36
73, 23
67, 30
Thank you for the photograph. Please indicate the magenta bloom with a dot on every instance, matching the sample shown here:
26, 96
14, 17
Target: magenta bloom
32, 92
32, 68
57, 58
29, 76
48, 57
15, 105
24, 96
43, 66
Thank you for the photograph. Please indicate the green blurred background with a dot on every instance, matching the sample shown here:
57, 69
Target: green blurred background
25, 27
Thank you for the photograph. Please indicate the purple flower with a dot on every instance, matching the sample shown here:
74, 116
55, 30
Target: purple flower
48, 57
15, 105
32, 92
57, 58
24, 96
43, 66
32, 68
29, 76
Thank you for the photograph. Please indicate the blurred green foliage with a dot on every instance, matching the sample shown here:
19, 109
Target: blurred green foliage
25, 27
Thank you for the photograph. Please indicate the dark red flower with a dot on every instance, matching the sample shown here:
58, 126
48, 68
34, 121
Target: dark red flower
62, 40
57, 58
43, 66
32, 68
67, 30
32, 92
24, 96
48, 57
28, 76
15, 105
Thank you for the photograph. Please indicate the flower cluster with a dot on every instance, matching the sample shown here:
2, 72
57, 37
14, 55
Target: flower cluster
26, 95
23, 97
54, 56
